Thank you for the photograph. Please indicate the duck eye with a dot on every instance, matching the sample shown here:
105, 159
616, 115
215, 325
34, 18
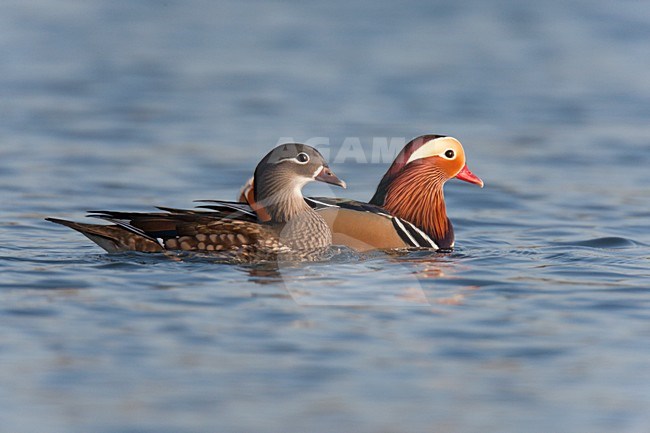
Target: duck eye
449, 153
302, 158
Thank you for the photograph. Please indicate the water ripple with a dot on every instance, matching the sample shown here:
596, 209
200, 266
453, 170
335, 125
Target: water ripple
610, 242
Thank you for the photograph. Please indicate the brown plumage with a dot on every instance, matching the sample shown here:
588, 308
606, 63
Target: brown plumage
293, 231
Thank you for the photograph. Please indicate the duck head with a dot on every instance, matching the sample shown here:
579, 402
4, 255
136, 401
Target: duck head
441, 156
412, 188
281, 175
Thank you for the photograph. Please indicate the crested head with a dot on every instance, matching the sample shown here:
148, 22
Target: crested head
412, 187
440, 156
281, 175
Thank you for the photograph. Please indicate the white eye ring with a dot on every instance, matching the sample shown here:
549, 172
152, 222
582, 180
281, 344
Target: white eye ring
302, 158
449, 154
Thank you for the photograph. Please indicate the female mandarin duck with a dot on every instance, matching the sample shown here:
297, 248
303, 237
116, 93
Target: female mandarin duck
292, 228
408, 208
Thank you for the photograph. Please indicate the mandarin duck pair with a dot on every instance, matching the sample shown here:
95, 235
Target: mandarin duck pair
273, 220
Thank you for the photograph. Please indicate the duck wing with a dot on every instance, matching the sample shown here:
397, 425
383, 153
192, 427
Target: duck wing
181, 230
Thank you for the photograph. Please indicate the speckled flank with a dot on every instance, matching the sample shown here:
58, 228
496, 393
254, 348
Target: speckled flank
306, 234
208, 242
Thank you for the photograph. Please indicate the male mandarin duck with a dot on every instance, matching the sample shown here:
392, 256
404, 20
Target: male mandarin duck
292, 228
407, 210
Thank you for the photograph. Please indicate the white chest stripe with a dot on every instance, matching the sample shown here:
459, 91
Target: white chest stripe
406, 232
426, 237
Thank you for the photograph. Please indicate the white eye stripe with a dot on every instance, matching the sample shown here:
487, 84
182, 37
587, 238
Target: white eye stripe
437, 147
296, 159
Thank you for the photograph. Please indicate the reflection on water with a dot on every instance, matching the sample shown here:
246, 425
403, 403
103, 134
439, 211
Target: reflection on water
264, 274
535, 323
351, 280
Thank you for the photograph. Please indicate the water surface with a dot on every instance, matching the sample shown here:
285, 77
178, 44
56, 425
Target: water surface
538, 321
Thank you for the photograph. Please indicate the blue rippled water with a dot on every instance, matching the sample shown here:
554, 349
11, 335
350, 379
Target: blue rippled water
538, 322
